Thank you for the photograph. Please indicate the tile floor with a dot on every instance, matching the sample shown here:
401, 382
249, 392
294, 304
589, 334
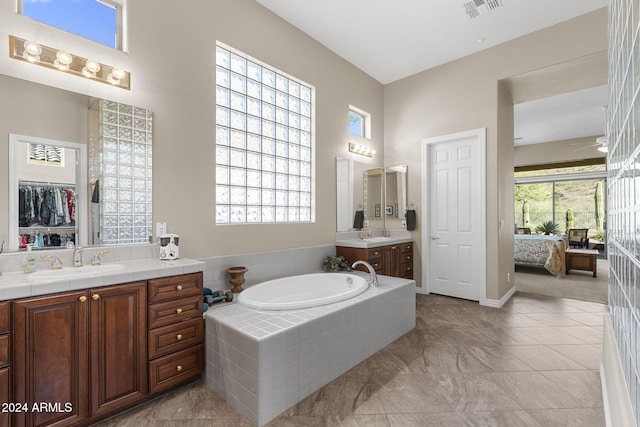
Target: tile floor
534, 362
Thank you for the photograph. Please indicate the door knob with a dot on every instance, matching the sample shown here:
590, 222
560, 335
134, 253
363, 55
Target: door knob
435, 238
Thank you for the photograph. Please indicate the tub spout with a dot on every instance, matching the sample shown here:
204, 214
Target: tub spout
373, 277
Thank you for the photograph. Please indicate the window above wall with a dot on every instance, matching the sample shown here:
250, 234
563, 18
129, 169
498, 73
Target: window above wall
97, 20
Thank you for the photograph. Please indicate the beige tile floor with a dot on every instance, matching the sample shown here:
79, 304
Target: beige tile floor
534, 362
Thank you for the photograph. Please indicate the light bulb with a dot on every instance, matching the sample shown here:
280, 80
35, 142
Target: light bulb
118, 73
64, 58
32, 48
88, 73
92, 66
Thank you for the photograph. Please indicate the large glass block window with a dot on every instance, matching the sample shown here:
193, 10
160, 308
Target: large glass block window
264, 143
623, 219
125, 175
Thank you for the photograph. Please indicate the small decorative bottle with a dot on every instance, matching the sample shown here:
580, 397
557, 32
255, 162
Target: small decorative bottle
30, 261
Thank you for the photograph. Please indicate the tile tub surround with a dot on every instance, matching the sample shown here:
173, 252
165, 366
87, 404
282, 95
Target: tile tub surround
264, 362
265, 266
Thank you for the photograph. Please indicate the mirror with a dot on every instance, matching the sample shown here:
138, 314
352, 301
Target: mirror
380, 193
395, 197
113, 181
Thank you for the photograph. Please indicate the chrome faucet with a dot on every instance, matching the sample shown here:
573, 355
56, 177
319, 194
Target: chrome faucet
373, 277
77, 256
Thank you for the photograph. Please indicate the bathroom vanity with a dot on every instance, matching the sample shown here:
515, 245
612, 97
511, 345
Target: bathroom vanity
107, 343
388, 256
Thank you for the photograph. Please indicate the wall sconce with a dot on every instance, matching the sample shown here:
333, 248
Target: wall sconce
361, 149
29, 51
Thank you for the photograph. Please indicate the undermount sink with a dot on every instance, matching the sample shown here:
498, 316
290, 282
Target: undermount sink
378, 239
74, 272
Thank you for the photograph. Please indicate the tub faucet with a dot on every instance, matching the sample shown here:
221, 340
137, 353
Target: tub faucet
373, 277
77, 256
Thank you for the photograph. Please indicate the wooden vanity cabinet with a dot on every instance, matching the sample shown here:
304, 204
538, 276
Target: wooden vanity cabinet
118, 346
391, 260
84, 351
176, 330
50, 357
5, 372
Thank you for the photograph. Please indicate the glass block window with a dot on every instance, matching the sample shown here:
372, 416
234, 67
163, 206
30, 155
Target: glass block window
623, 164
264, 143
125, 173
97, 20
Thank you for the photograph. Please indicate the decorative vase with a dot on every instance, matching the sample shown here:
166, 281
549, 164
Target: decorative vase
236, 278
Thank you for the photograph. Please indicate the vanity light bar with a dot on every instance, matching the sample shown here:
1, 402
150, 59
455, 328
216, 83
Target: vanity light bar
60, 60
361, 149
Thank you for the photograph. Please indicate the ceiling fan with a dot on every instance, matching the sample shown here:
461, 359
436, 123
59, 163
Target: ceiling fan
602, 143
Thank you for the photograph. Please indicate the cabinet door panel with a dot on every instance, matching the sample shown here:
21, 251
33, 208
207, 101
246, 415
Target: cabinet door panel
118, 346
4, 395
50, 358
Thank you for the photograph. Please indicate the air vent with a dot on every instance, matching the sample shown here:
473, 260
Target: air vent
475, 8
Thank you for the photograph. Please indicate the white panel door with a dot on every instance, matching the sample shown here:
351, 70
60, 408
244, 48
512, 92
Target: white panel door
455, 221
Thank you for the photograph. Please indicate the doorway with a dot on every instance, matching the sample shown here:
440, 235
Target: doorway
454, 205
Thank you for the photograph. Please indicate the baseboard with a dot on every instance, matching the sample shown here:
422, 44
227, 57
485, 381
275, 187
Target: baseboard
495, 303
615, 395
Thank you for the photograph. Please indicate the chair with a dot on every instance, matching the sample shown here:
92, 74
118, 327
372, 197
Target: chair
524, 230
578, 237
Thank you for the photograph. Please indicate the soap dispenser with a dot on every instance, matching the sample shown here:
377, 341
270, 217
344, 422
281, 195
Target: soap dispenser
30, 261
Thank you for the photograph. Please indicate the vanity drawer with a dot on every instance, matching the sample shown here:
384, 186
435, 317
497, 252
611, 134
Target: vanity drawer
374, 253
172, 338
4, 350
407, 271
407, 257
407, 248
166, 313
176, 287
5, 324
168, 371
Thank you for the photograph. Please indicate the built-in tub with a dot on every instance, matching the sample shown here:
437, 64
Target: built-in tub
263, 362
304, 291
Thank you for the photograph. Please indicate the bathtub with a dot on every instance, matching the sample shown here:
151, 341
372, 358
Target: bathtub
263, 362
304, 291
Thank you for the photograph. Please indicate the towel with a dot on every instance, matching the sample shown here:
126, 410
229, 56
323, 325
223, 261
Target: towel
358, 220
411, 219
95, 196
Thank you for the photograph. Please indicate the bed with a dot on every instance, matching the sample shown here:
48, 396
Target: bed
541, 251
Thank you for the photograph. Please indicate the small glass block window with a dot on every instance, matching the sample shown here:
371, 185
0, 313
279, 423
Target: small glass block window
124, 174
264, 143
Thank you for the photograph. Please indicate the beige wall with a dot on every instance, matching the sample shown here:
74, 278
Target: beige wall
171, 58
171, 55
557, 151
463, 95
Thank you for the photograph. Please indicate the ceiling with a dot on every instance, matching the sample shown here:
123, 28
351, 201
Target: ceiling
390, 40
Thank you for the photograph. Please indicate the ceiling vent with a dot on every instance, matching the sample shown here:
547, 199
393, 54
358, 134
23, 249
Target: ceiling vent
475, 8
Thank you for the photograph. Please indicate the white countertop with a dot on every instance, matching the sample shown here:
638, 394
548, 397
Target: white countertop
18, 285
373, 242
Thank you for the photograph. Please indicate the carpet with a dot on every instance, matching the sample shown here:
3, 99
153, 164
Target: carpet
580, 285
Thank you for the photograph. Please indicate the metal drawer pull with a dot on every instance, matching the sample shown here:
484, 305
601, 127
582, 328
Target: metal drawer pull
179, 368
82, 298
394, 248
178, 310
95, 297
179, 287
179, 337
